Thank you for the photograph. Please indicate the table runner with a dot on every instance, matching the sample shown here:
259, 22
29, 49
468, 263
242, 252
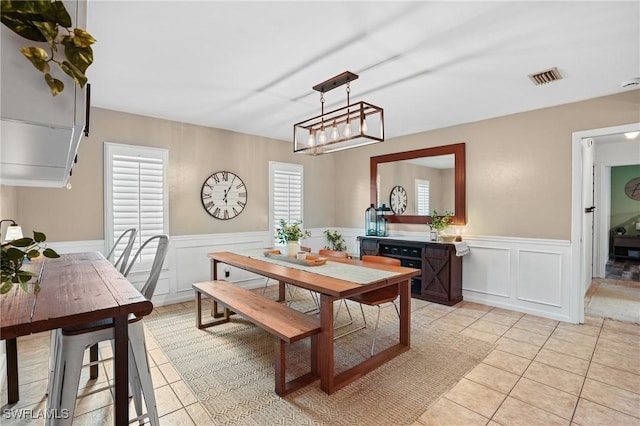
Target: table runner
343, 271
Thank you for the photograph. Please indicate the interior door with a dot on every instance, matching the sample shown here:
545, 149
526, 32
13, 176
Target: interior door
589, 212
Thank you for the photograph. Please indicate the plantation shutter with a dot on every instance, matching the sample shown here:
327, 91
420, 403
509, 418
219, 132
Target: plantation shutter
422, 198
286, 190
137, 196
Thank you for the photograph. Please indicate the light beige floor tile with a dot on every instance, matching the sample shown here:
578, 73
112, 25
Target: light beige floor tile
585, 329
177, 418
30, 394
535, 327
488, 326
183, 392
493, 378
626, 363
565, 362
555, 377
612, 397
621, 327
517, 413
33, 372
457, 319
169, 372
33, 415
568, 335
526, 336
157, 378
476, 397
198, 414
506, 361
612, 376
158, 356
446, 412
525, 350
541, 320
480, 335
500, 317
101, 399
545, 397
446, 325
619, 337
507, 313
101, 416
428, 312
472, 309
591, 414
569, 348
166, 400
595, 321
620, 348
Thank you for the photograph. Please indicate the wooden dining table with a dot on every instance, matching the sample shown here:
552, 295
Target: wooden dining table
75, 289
343, 278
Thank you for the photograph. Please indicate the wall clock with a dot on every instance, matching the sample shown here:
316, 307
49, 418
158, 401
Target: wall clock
398, 199
224, 195
632, 189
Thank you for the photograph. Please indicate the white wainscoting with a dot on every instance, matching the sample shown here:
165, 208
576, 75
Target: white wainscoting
521, 274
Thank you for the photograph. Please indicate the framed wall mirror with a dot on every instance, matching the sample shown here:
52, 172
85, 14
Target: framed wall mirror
431, 178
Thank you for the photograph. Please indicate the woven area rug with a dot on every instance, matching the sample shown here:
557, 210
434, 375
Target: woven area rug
229, 368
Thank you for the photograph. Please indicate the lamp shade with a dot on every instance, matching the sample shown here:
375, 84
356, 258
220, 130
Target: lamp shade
14, 232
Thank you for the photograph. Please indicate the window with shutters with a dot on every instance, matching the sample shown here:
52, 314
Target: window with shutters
136, 196
285, 187
422, 197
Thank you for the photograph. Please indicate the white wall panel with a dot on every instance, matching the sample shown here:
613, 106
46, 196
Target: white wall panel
487, 271
540, 277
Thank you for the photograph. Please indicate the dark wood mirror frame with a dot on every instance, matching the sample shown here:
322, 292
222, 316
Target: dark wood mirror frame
459, 198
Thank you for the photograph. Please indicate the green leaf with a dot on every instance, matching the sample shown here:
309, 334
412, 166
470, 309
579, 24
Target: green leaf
22, 242
50, 253
6, 287
23, 286
50, 31
80, 57
15, 254
24, 276
22, 26
58, 13
74, 73
37, 56
82, 38
54, 84
39, 237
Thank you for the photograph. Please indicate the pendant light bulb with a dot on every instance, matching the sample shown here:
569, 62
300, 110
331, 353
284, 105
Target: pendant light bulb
347, 129
364, 127
322, 138
334, 131
312, 138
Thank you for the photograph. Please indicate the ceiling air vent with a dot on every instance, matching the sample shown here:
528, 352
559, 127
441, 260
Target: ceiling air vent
546, 76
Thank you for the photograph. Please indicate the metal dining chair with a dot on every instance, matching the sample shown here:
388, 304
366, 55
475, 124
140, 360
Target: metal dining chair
73, 341
377, 297
123, 259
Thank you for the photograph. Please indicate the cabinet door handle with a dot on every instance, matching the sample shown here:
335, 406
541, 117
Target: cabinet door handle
589, 209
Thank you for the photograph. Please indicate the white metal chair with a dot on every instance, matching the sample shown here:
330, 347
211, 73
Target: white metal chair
123, 259
376, 298
73, 341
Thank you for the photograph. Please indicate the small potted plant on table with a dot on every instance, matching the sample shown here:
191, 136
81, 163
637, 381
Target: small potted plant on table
290, 235
441, 222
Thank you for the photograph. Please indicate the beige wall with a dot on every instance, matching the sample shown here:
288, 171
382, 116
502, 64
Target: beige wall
194, 153
518, 169
518, 173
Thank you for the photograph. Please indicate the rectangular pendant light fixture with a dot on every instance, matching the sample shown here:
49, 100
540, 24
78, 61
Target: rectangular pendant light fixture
353, 125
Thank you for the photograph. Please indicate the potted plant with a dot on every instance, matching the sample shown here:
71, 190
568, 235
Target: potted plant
290, 235
13, 255
440, 222
334, 241
49, 22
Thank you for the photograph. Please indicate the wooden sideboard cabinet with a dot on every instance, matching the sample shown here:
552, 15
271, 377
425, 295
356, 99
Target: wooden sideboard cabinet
441, 278
626, 247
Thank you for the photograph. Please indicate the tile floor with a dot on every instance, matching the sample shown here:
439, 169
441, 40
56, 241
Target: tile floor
540, 372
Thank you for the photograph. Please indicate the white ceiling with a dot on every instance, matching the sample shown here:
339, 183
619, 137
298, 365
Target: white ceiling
249, 66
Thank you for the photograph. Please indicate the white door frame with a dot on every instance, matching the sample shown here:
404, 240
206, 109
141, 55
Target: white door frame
578, 253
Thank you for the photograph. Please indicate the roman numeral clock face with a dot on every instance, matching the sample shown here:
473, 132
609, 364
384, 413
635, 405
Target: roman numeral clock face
224, 195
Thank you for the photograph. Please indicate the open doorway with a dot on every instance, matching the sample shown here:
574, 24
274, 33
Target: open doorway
595, 152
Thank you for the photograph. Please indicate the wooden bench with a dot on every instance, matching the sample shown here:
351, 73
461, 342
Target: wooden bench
286, 324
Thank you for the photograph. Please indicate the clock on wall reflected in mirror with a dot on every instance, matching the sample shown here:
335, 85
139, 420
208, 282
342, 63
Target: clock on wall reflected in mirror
632, 189
224, 195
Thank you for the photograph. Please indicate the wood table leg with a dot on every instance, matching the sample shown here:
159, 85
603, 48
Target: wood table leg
121, 363
12, 371
405, 313
325, 344
282, 294
93, 357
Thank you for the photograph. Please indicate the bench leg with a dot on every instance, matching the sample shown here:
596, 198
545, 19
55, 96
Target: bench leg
282, 386
199, 322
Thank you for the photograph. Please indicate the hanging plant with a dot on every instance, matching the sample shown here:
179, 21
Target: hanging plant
13, 255
49, 22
